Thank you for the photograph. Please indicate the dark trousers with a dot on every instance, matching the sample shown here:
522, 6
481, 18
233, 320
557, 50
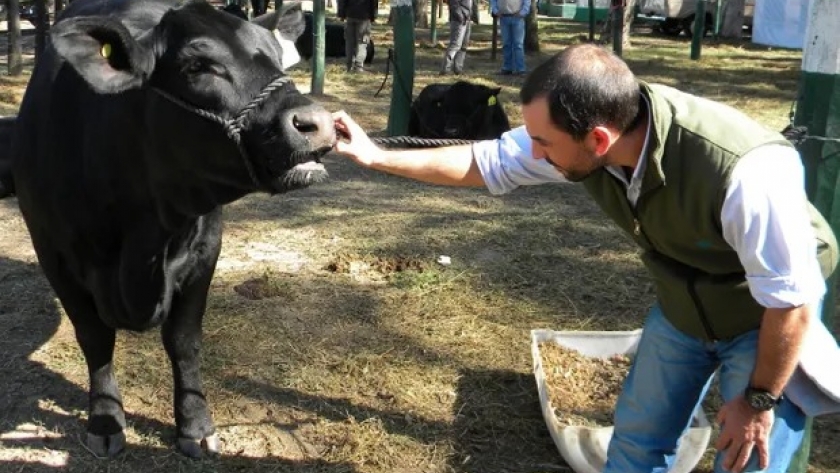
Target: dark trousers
356, 38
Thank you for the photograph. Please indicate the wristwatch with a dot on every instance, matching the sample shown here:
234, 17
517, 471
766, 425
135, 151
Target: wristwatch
760, 399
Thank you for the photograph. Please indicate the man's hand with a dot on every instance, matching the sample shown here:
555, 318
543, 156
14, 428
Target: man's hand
354, 142
742, 430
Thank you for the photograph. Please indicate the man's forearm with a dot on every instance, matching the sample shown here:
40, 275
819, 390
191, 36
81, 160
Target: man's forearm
448, 166
779, 343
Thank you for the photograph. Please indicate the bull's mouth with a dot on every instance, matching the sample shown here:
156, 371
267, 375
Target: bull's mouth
308, 170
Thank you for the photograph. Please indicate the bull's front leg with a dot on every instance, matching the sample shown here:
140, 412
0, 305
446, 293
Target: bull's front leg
106, 418
182, 339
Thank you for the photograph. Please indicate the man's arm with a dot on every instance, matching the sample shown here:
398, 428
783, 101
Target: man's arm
766, 220
779, 344
448, 166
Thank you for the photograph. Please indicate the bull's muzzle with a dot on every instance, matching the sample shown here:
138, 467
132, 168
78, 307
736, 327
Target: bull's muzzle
313, 123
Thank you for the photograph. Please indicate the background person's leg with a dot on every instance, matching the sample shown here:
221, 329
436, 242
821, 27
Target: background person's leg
349, 42
464, 42
362, 38
507, 46
518, 44
670, 375
452, 49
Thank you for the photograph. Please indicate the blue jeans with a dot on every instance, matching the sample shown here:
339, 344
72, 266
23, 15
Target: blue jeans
513, 40
669, 378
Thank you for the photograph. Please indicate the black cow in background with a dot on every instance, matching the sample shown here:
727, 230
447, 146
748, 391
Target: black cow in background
334, 40
258, 7
462, 110
141, 119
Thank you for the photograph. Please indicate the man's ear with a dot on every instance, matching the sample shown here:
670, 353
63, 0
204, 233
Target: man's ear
103, 52
600, 139
287, 25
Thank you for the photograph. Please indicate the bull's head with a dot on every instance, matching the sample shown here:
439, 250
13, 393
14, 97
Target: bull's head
469, 109
220, 114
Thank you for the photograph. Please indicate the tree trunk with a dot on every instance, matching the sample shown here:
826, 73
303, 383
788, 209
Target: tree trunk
733, 19
532, 30
59, 5
629, 16
421, 19
15, 53
42, 26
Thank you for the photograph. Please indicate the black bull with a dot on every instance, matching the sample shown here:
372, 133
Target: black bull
140, 121
462, 110
333, 40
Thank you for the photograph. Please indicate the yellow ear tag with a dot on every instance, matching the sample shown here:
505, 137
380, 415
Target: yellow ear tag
491, 101
106, 50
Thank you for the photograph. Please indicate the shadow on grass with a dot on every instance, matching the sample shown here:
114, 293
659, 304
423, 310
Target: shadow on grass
41, 412
497, 426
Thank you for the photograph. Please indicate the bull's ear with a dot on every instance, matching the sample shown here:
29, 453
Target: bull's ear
288, 21
103, 52
492, 96
287, 25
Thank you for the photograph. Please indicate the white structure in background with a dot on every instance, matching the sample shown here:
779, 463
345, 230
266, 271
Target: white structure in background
781, 22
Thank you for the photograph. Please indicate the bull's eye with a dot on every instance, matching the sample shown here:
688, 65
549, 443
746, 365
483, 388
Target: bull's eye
195, 66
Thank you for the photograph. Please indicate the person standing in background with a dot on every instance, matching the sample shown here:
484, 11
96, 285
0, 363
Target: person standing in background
512, 15
460, 16
358, 16
258, 7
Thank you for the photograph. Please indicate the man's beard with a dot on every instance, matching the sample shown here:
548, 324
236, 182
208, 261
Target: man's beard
577, 175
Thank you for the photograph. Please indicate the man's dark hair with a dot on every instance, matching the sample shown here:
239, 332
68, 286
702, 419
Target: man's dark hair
586, 86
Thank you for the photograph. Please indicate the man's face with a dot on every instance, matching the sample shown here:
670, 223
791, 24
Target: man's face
574, 159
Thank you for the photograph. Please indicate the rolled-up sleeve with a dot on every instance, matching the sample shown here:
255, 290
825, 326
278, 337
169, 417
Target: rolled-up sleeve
507, 163
766, 220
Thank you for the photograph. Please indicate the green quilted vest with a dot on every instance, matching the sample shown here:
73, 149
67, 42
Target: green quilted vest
692, 149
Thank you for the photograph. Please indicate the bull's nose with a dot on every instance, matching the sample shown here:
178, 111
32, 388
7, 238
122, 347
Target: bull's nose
314, 123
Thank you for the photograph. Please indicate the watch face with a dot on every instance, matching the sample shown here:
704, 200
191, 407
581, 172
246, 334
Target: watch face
760, 400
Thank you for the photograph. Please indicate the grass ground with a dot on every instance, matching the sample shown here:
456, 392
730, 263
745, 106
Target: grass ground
334, 341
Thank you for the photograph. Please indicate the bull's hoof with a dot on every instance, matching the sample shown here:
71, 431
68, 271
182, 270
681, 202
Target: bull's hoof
104, 446
195, 448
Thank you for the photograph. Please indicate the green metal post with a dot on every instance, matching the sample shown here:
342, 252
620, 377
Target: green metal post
718, 13
433, 19
818, 108
699, 29
591, 21
318, 46
403, 83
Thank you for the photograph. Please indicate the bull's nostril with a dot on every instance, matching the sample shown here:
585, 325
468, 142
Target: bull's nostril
304, 125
